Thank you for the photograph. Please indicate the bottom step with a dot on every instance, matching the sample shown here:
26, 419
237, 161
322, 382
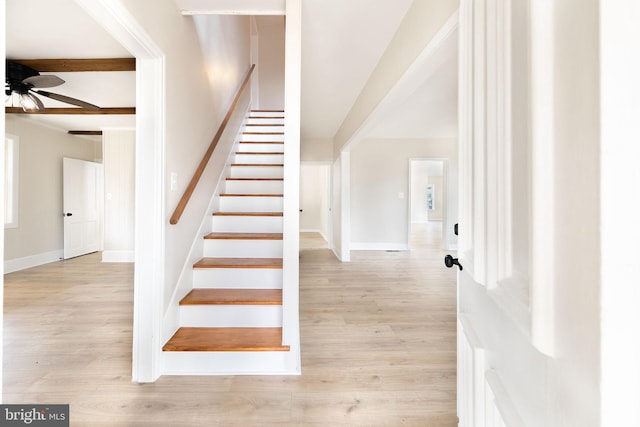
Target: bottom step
226, 339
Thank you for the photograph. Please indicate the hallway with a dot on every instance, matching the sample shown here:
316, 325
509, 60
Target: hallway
378, 347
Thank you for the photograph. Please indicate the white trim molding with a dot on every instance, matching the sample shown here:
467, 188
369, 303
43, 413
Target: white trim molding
291, 201
118, 256
381, 246
31, 261
542, 177
232, 7
150, 216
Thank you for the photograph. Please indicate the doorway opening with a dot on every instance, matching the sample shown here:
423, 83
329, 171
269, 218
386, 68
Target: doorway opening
427, 201
315, 205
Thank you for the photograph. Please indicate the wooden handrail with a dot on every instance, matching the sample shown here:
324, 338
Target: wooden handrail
182, 204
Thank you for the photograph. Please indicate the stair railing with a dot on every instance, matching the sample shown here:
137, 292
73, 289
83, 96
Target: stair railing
188, 192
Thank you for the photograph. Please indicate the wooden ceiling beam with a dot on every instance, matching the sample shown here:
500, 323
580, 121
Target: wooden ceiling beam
73, 110
85, 132
72, 65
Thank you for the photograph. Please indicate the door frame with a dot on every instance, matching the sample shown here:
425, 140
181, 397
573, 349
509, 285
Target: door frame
149, 181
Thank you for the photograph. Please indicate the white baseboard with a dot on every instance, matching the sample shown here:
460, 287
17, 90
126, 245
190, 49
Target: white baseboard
379, 246
118, 256
18, 264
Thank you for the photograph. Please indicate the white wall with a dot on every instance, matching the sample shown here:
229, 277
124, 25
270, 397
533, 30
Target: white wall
271, 62
39, 236
575, 374
380, 189
118, 147
316, 150
196, 101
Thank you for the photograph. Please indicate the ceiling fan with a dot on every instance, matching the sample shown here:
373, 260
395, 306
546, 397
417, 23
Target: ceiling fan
25, 82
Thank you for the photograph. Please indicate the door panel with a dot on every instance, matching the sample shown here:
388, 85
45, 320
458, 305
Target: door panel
494, 227
81, 207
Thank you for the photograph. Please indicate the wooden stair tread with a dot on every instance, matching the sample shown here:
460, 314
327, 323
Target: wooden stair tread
239, 263
267, 117
267, 111
247, 214
250, 195
243, 236
266, 124
233, 297
262, 133
226, 339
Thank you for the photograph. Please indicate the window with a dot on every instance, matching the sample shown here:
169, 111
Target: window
11, 157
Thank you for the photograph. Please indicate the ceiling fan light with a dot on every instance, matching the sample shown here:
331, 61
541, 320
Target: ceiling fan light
28, 102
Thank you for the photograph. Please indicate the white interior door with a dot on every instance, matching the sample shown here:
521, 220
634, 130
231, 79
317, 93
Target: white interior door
81, 207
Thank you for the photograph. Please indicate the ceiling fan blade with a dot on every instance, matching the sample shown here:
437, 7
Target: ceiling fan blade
37, 101
67, 99
43, 81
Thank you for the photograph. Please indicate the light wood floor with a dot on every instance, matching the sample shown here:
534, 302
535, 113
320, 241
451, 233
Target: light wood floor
378, 347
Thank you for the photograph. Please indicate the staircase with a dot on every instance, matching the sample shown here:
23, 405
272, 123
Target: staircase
231, 321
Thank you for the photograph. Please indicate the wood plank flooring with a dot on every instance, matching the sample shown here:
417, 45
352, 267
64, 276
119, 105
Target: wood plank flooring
378, 347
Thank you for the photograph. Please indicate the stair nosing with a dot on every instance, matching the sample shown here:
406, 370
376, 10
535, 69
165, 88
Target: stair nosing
210, 340
225, 296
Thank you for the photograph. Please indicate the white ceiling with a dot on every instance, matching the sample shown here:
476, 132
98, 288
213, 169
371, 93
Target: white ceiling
342, 43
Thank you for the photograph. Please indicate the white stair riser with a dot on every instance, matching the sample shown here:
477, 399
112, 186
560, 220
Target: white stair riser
231, 316
218, 248
251, 204
260, 158
261, 137
237, 278
229, 363
264, 128
266, 114
267, 121
257, 171
256, 146
254, 187
247, 224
